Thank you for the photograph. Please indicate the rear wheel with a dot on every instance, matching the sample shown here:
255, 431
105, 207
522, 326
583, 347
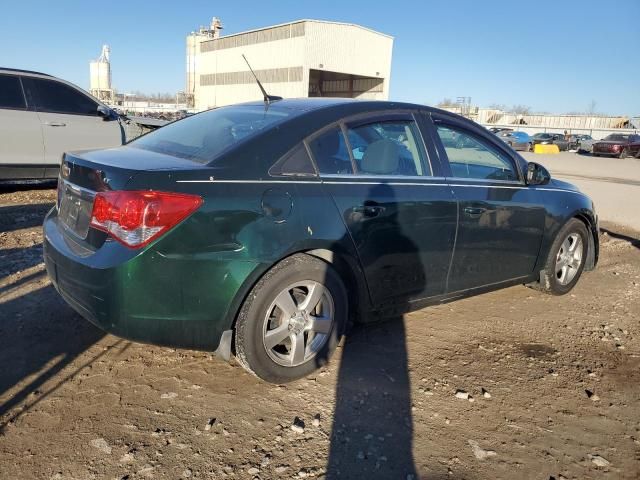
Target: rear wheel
292, 320
566, 258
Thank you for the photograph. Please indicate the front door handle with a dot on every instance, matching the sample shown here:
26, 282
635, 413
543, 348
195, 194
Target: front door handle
474, 211
369, 210
55, 124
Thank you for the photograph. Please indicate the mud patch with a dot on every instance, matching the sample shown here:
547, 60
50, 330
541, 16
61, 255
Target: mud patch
536, 350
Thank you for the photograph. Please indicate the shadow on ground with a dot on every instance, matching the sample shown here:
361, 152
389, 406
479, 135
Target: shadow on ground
39, 337
633, 241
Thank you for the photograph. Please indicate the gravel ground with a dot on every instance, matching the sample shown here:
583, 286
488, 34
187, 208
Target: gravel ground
511, 384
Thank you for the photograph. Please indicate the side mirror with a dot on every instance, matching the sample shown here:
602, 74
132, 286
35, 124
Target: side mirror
105, 112
537, 174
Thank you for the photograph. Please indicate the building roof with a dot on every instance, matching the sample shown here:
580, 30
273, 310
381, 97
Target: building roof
300, 21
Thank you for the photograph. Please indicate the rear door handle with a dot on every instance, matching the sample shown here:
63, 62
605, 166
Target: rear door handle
55, 124
474, 211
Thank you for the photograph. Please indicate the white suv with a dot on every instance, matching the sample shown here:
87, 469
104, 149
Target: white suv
41, 117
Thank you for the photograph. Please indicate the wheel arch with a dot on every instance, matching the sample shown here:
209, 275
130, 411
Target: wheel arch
593, 246
346, 264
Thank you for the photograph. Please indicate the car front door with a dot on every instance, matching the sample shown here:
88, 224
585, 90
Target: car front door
20, 131
401, 218
69, 119
501, 220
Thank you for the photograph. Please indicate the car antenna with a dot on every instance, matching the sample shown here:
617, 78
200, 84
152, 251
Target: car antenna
267, 98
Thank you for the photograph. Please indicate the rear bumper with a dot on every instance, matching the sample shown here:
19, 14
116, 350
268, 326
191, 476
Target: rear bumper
146, 296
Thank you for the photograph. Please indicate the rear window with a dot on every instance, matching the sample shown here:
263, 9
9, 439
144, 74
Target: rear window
203, 137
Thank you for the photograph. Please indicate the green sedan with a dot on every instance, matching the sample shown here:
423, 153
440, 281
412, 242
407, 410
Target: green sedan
263, 230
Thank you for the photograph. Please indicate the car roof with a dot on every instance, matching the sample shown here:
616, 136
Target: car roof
21, 71
305, 104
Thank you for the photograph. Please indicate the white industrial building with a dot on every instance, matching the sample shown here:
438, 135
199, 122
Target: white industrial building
305, 58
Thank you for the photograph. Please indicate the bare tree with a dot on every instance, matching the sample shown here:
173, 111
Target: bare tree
445, 102
498, 106
521, 109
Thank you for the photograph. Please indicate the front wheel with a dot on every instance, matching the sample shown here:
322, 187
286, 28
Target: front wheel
624, 153
292, 320
566, 258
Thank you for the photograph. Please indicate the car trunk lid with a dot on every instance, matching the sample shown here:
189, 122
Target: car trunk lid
83, 174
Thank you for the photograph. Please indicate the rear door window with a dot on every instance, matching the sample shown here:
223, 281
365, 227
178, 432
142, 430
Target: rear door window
11, 95
57, 97
472, 157
392, 148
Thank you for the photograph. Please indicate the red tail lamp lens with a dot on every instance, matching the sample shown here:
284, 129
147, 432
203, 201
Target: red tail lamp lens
135, 218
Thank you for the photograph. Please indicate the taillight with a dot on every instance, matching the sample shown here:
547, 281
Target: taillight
135, 218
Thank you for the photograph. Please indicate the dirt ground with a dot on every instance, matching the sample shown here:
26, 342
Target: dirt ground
553, 384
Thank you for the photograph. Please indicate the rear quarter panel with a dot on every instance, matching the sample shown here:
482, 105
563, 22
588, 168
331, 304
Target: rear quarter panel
243, 228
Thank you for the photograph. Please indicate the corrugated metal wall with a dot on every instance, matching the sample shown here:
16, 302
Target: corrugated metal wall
282, 56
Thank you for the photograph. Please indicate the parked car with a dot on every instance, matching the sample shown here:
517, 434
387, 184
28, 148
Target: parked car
500, 129
263, 229
516, 140
582, 143
41, 117
634, 149
551, 139
617, 145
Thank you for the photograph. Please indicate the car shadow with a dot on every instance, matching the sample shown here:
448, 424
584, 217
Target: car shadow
372, 431
17, 217
39, 337
633, 241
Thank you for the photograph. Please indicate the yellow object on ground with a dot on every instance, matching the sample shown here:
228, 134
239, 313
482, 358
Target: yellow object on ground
538, 148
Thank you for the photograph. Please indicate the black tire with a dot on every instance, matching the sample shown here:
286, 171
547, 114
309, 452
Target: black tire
251, 350
550, 281
624, 153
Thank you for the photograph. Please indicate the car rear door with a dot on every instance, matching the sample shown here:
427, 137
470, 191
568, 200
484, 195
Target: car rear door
20, 131
69, 119
401, 218
501, 219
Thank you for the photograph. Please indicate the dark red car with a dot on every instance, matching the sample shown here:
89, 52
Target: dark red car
617, 145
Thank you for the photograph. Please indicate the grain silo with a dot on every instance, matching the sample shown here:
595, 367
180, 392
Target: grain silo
100, 76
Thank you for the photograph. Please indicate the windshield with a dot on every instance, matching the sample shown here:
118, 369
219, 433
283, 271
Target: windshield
541, 135
203, 137
617, 137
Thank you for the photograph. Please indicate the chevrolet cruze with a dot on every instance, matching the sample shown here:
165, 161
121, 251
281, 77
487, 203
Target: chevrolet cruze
262, 229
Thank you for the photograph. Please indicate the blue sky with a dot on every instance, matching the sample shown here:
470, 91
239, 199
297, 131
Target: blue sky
554, 56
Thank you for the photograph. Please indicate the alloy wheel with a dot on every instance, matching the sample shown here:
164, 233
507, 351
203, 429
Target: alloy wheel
569, 259
298, 323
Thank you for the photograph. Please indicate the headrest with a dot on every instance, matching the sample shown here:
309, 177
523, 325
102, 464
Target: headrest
381, 157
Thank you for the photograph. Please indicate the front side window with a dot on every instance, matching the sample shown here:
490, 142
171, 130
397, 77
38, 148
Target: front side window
57, 97
388, 148
204, 137
472, 157
11, 95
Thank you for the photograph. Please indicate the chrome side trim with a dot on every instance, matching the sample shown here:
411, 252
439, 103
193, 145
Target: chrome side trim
382, 182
